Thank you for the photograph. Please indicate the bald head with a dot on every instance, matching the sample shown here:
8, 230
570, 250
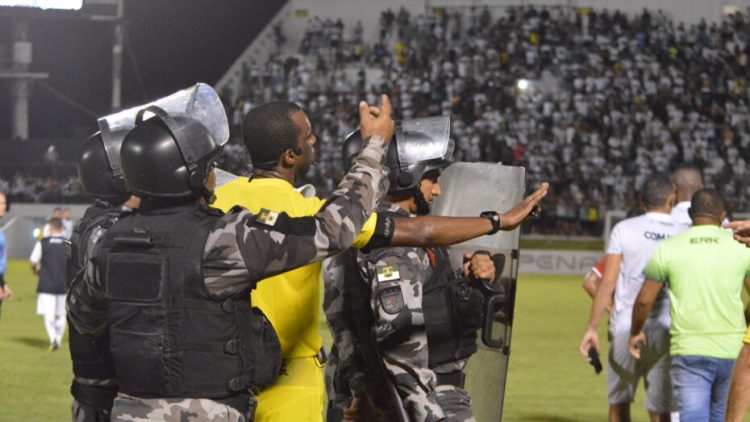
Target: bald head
688, 180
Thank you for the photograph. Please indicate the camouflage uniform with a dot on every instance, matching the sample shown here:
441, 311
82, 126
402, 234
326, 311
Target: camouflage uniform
394, 278
237, 254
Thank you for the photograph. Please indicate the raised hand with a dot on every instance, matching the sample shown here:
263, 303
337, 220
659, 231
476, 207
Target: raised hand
374, 121
741, 230
511, 219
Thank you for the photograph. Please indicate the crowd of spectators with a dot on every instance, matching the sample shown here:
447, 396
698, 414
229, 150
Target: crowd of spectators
591, 101
609, 98
26, 188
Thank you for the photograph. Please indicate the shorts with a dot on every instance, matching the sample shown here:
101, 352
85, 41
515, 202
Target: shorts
624, 371
48, 304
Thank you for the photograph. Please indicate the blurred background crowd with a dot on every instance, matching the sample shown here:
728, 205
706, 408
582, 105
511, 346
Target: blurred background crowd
591, 101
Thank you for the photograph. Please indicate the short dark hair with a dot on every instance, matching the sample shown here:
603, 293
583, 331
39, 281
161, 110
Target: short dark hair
268, 131
687, 168
56, 223
656, 190
707, 203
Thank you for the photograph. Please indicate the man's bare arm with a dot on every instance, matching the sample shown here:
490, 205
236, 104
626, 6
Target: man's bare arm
601, 300
445, 231
591, 283
643, 304
739, 390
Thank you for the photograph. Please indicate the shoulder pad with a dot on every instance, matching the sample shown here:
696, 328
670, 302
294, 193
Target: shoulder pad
378, 254
214, 211
236, 209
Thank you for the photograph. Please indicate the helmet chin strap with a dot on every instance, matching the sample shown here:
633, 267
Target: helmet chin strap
423, 207
207, 195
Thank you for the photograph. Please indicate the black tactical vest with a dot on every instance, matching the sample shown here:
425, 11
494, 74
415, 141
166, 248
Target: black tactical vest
452, 313
169, 337
52, 270
90, 354
452, 310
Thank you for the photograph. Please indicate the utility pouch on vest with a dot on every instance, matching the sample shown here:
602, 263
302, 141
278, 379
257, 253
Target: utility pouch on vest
138, 344
453, 313
267, 351
468, 305
135, 277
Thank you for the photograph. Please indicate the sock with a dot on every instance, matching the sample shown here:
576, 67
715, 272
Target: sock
49, 325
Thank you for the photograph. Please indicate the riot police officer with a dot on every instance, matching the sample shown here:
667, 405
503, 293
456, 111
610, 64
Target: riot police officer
94, 385
422, 314
170, 281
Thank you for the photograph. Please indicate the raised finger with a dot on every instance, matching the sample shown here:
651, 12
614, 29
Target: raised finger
541, 192
738, 225
385, 106
364, 111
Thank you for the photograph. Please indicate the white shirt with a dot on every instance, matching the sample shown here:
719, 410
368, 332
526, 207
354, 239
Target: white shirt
681, 216
680, 213
636, 239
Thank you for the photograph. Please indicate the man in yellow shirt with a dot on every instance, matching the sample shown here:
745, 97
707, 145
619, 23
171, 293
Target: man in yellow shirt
279, 138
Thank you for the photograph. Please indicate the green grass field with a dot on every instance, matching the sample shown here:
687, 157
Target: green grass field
548, 381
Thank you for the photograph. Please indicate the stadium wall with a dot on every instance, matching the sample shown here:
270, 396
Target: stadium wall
19, 223
547, 261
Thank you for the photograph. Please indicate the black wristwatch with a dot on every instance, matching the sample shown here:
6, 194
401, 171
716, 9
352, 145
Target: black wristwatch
494, 219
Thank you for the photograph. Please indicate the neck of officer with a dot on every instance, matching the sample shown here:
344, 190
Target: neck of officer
278, 172
407, 204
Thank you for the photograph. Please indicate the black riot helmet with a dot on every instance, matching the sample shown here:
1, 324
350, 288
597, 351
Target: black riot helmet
168, 157
99, 167
418, 146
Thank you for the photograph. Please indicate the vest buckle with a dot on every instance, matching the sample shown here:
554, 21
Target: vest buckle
228, 306
232, 347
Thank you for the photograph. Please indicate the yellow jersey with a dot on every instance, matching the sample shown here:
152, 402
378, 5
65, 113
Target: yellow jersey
290, 301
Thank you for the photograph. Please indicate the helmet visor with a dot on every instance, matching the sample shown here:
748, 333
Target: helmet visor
425, 139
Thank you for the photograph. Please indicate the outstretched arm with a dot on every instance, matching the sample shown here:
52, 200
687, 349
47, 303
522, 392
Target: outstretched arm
445, 231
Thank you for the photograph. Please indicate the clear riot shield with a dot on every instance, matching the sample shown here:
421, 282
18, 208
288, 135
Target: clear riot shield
199, 102
469, 189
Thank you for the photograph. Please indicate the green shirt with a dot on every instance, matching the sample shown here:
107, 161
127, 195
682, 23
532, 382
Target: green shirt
705, 269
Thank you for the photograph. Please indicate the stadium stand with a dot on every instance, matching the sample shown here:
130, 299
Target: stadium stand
592, 101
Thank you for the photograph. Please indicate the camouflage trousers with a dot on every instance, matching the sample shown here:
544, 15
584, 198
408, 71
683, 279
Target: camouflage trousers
85, 413
129, 408
455, 403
